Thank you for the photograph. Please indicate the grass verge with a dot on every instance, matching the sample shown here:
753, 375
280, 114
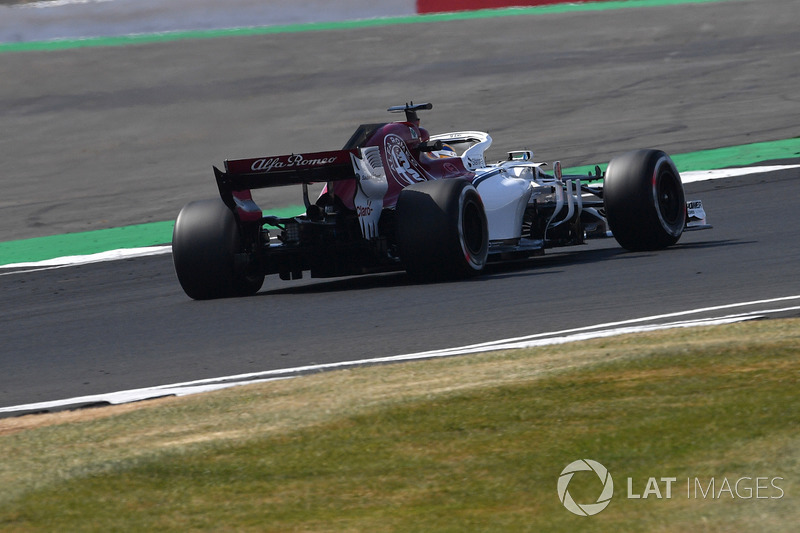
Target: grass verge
461, 444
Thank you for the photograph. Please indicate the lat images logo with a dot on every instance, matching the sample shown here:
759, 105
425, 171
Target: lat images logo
585, 509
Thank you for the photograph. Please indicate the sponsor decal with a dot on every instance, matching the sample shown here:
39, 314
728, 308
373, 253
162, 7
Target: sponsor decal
475, 162
402, 166
268, 164
364, 210
450, 168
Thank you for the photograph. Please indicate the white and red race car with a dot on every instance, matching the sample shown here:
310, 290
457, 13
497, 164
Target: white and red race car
396, 197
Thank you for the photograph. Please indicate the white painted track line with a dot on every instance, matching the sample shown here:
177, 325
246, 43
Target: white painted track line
609, 329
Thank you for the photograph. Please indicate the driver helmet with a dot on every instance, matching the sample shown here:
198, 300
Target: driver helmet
446, 151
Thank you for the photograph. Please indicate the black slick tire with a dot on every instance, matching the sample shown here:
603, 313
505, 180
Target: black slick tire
442, 232
205, 242
644, 200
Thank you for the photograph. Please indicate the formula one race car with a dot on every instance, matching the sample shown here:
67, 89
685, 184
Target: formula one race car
396, 197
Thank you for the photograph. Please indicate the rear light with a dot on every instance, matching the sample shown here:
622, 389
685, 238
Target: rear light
291, 233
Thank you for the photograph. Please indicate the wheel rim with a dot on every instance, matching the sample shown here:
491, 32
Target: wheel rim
668, 194
668, 203
473, 233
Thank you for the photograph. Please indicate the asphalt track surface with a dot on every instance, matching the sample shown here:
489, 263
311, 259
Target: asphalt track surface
112, 136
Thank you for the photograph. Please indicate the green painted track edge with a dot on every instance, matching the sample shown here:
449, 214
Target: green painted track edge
160, 233
98, 241
148, 38
718, 158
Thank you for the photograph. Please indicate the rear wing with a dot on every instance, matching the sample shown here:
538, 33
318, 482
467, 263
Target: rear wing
294, 169
242, 175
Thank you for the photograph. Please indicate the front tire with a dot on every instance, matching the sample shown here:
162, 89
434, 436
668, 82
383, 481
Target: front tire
442, 232
205, 242
644, 200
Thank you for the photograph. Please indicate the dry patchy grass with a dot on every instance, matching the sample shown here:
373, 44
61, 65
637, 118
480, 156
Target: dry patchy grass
462, 418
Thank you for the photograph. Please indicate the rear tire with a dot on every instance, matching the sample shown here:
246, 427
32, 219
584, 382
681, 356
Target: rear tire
205, 242
442, 232
644, 200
